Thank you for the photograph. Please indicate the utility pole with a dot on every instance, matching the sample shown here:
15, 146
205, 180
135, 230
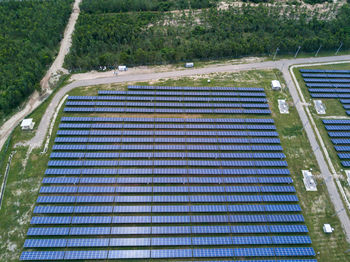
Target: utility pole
318, 50
297, 51
274, 56
341, 44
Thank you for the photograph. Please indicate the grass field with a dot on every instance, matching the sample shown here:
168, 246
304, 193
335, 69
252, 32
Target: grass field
24, 182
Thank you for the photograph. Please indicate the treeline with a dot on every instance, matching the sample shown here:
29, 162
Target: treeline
153, 38
116, 6
29, 35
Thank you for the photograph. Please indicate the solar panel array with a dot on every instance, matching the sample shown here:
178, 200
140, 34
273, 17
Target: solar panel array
167, 188
339, 132
328, 84
173, 100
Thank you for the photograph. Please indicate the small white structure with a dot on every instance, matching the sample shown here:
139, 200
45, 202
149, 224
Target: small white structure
309, 181
283, 107
189, 65
320, 107
27, 124
276, 85
327, 228
122, 68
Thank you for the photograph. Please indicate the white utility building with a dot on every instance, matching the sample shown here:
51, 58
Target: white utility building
320, 107
283, 106
276, 85
27, 124
327, 228
309, 181
122, 68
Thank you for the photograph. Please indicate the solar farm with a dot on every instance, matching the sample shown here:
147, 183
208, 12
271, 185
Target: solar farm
333, 84
159, 188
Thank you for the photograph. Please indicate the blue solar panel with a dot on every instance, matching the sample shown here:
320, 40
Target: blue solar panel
129, 254
87, 231
171, 253
48, 231
88, 242
40, 243
42, 255
89, 254
213, 252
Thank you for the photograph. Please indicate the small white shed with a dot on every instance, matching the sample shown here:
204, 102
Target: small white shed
189, 65
327, 228
122, 68
276, 85
27, 124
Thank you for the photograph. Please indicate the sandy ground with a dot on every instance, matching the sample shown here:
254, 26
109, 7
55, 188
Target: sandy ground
159, 69
56, 68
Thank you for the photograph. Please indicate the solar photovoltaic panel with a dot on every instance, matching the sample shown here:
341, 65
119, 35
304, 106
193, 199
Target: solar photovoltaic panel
167, 187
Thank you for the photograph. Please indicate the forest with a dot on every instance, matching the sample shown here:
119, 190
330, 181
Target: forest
116, 6
30, 32
144, 38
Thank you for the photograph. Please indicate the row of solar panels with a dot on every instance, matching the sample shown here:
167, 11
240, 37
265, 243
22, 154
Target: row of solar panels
339, 125
336, 121
329, 90
342, 148
164, 110
339, 141
324, 95
145, 147
310, 85
166, 230
167, 180
178, 219
249, 93
328, 71
191, 127
306, 75
165, 209
163, 133
165, 241
345, 101
182, 140
325, 80
184, 99
134, 163
165, 189
181, 105
171, 253
188, 88
166, 155
170, 120
167, 171
168, 199
339, 134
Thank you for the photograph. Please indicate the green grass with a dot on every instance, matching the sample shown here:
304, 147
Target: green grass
23, 184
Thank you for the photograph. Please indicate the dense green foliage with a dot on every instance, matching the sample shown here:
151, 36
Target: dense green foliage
152, 38
115, 6
317, 1
29, 35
